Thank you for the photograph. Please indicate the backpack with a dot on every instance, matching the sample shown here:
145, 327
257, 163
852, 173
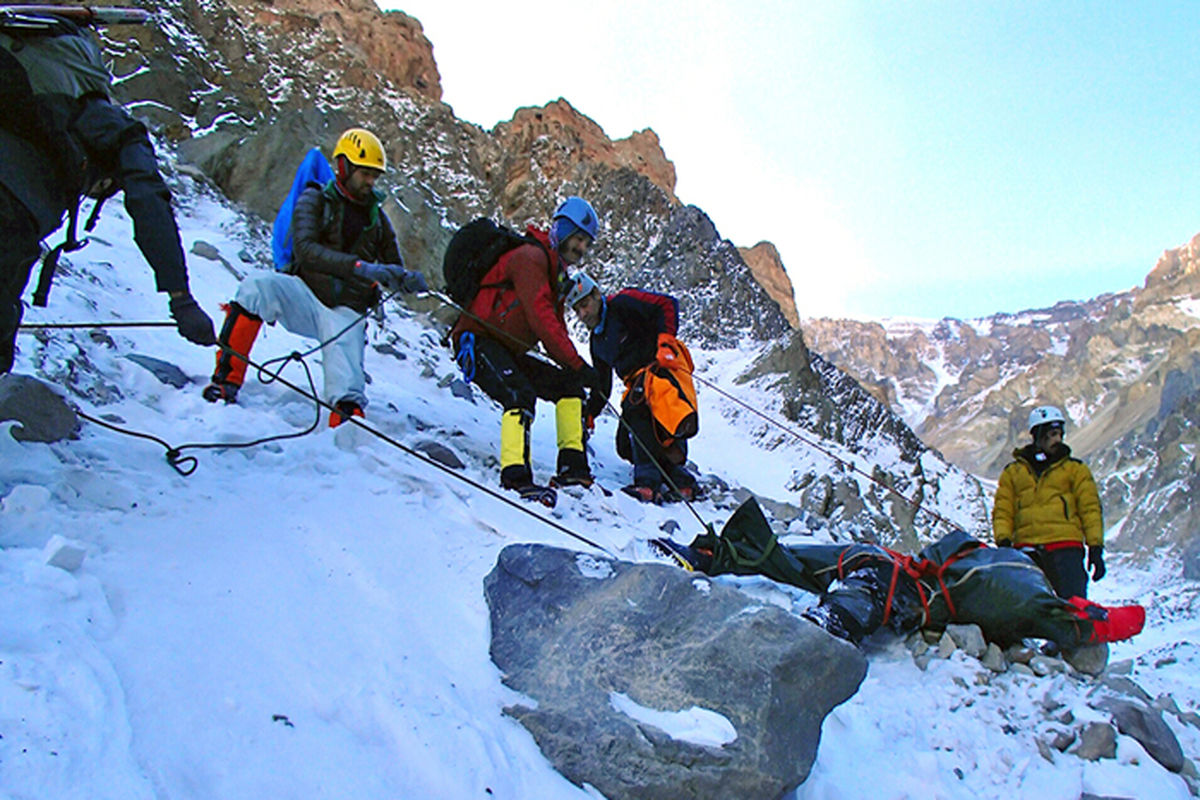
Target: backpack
667, 303
473, 250
50, 66
313, 170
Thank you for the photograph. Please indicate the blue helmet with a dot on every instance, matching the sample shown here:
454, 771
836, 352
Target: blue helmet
574, 214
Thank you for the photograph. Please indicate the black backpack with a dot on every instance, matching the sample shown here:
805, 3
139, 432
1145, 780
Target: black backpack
473, 250
50, 65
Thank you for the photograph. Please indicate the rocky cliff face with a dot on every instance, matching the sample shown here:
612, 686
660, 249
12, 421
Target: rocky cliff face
1121, 366
767, 268
245, 87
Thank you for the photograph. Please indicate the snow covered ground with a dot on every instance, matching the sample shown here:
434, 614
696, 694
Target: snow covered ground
306, 619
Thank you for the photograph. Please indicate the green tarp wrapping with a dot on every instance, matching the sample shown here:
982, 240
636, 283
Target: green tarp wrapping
999, 589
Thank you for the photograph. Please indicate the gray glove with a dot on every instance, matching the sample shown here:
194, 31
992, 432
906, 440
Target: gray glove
413, 282
193, 324
388, 275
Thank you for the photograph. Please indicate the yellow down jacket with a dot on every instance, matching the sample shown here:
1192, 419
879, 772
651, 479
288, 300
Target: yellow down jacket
1062, 505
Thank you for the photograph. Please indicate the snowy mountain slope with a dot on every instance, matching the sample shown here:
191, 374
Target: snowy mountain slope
306, 619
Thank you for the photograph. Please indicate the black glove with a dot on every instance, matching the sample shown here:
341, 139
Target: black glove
589, 377
194, 325
1004, 543
1096, 562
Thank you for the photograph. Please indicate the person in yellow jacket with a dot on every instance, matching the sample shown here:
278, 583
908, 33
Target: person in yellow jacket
1047, 505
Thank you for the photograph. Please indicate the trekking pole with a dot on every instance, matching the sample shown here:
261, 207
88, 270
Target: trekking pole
844, 462
16, 16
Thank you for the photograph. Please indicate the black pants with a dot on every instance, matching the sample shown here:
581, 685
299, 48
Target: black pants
637, 441
517, 381
1063, 568
19, 250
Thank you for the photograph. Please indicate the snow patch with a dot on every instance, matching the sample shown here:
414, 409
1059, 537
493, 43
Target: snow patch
591, 567
695, 725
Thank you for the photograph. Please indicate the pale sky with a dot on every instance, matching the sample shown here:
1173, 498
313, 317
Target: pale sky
920, 159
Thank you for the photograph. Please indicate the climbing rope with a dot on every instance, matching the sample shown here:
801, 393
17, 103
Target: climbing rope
917, 507
186, 465
50, 326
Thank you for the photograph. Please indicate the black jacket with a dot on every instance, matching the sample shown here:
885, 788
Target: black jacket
626, 341
324, 261
117, 148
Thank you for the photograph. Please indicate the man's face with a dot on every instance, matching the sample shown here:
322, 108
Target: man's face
573, 248
589, 309
1049, 437
361, 182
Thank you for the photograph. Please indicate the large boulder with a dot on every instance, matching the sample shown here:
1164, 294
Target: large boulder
42, 412
621, 658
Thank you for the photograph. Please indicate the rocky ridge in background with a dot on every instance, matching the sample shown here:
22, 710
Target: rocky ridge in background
1122, 366
767, 268
245, 88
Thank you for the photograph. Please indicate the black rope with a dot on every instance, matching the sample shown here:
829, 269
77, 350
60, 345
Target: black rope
186, 465
913, 503
35, 326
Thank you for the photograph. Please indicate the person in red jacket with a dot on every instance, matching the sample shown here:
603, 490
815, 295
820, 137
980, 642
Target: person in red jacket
519, 304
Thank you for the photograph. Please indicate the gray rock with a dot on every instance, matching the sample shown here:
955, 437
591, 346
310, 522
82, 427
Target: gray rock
1191, 561
573, 631
1097, 740
946, 646
1125, 686
993, 658
165, 371
439, 453
1089, 659
916, 644
1060, 740
1045, 665
1022, 669
1122, 667
1165, 702
969, 639
206, 250
1019, 654
1147, 726
461, 389
44, 415
387, 350
1044, 750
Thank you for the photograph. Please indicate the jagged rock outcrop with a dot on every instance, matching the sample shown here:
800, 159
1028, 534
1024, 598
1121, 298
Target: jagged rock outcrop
566, 146
767, 268
611, 651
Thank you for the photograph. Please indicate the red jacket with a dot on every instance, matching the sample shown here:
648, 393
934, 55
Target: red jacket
525, 306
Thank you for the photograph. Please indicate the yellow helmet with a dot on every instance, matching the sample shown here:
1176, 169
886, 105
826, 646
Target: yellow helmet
361, 148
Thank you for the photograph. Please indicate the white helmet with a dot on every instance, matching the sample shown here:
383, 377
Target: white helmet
581, 286
1044, 415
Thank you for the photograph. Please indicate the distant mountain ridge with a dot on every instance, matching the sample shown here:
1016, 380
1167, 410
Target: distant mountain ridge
1122, 366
